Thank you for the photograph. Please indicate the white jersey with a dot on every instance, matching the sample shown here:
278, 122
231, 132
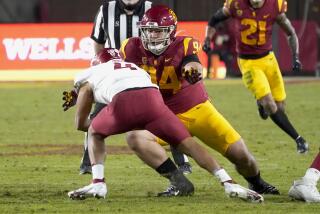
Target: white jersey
112, 77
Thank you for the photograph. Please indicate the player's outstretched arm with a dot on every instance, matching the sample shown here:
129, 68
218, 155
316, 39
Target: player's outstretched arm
84, 104
287, 27
219, 16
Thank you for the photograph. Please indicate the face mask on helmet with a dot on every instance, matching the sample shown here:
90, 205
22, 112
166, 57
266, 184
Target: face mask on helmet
156, 39
256, 3
158, 28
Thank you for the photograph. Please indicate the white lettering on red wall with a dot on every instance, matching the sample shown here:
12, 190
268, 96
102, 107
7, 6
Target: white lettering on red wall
48, 48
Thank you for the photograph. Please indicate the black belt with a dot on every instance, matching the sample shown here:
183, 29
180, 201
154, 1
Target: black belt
253, 56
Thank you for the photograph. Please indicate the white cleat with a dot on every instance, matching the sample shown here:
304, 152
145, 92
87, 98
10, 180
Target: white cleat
238, 191
96, 190
304, 190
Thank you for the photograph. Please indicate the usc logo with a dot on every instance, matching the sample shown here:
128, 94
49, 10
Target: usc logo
173, 15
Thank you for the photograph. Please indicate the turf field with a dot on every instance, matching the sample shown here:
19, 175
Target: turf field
40, 153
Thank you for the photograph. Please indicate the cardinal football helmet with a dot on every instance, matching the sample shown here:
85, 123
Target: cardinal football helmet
158, 28
105, 55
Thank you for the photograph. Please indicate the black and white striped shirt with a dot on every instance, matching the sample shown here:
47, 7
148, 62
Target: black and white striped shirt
112, 25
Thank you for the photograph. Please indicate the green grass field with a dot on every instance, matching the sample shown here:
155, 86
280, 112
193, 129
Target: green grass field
40, 153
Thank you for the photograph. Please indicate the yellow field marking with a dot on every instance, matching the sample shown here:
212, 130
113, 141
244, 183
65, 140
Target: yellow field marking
38, 75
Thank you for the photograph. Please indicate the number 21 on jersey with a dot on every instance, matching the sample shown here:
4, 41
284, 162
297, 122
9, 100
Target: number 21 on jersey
254, 26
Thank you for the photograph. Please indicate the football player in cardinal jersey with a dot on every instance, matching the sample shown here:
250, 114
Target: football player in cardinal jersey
260, 70
174, 66
134, 102
114, 22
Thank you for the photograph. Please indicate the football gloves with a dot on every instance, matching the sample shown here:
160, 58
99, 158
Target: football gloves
206, 45
192, 75
69, 98
296, 67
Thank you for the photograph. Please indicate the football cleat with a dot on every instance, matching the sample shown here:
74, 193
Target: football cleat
96, 190
85, 169
262, 113
185, 168
169, 192
85, 166
264, 188
179, 185
172, 191
237, 191
304, 190
302, 145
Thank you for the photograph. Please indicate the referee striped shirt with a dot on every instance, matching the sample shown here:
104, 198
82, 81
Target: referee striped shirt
112, 25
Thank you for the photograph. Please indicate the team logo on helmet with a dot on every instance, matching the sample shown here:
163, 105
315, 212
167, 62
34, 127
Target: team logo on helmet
173, 15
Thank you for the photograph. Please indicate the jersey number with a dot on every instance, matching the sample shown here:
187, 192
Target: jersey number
118, 65
168, 80
254, 26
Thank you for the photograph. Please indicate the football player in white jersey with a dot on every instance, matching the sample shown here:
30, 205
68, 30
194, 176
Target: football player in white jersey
134, 102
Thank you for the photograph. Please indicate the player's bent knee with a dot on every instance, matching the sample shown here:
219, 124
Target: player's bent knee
136, 139
239, 154
270, 107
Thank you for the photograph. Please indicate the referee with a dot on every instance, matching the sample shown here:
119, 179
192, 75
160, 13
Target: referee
116, 21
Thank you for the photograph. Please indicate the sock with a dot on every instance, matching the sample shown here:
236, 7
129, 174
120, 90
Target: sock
254, 180
281, 119
178, 157
166, 168
98, 172
312, 175
316, 163
222, 175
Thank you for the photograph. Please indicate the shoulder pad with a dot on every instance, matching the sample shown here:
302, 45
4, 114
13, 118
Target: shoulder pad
282, 6
191, 46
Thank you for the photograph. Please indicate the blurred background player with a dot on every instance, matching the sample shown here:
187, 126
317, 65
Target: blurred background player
115, 22
222, 48
174, 66
258, 65
134, 102
305, 189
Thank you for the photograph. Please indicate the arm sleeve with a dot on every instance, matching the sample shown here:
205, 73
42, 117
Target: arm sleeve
218, 17
190, 58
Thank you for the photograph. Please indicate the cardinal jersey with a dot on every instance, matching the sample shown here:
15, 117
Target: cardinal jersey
165, 71
254, 26
108, 79
189, 102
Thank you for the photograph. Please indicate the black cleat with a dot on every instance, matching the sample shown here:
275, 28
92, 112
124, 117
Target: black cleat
85, 169
169, 192
302, 145
85, 165
262, 113
264, 188
179, 186
185, 168
172, 191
